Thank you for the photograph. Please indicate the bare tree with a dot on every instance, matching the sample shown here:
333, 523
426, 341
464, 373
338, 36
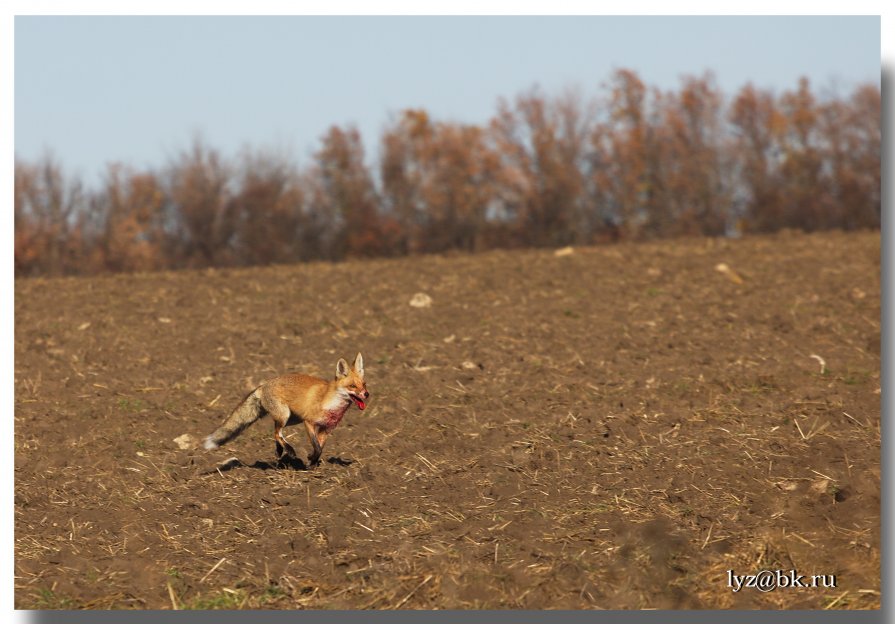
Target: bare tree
202, 224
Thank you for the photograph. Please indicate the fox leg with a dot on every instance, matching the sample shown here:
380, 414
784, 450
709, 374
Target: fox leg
318, 439
280, 416
282, 445
321, 440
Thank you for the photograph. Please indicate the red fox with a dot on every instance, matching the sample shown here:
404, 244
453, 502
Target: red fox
294, 398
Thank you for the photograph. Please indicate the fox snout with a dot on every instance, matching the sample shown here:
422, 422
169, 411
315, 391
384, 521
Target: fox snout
360, 398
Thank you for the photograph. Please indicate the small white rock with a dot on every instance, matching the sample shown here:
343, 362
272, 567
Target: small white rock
421, 300
186, 441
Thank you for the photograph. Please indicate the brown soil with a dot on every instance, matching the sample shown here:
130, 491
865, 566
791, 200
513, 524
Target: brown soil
615, 428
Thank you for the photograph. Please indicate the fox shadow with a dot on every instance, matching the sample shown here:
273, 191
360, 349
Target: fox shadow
284, 463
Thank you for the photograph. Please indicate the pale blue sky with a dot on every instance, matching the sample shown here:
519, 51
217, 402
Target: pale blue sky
94, 90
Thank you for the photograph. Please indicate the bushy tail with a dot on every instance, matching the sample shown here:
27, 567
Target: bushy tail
244, 415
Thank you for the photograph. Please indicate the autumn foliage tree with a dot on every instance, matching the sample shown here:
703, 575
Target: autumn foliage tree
346, 191
542, 146
633, 163
202, 222
270, 212
49, 213
695, 182
127, 229
438, 181
851, 151
623, 144
757, 135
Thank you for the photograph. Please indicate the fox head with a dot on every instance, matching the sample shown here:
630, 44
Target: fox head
351, 379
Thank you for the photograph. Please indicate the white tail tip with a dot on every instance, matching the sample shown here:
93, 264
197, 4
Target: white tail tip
210, 444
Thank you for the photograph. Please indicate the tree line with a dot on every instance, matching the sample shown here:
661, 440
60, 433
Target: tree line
632, 163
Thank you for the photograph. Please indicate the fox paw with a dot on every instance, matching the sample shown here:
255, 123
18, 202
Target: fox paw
285, 452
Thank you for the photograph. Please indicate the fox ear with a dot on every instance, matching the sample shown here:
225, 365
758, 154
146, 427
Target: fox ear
359, 364
341, 368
